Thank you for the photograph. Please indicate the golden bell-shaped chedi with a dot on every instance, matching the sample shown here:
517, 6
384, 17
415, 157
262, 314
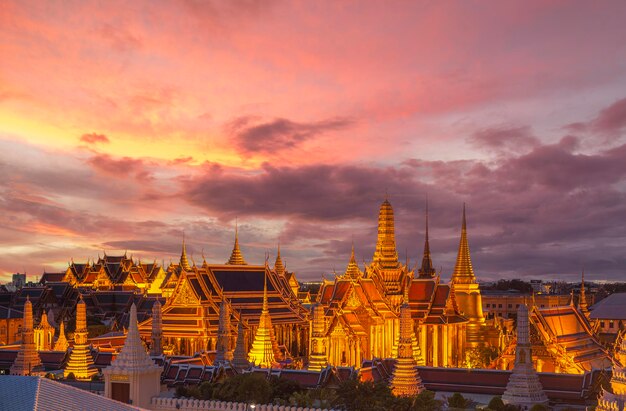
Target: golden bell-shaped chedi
405, 379
263, 352
615, 398
81, 363
27, 361
467, 292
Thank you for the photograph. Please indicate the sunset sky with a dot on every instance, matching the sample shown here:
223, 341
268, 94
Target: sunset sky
123, 124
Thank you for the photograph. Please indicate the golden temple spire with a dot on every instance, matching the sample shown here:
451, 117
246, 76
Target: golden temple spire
463, 270
353, 271
263, 352
582, 303
279, 268
236, 258
27, 361
80, 362
386, 255
61, 344
184, 262
240, 356
427, 270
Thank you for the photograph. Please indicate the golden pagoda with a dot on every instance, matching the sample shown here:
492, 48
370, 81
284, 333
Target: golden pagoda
263, 352
27, 361
317, 356
405, 379
81, 363
467, 292
61, 344
236, 257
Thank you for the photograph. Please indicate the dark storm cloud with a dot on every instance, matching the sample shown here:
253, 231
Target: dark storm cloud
251, 136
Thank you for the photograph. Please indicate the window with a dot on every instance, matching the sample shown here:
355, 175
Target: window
488, 305
499, 305
601, 324
611, 324
516, 305
510, 305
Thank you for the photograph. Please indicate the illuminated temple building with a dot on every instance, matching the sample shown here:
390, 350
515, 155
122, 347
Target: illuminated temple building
362, 308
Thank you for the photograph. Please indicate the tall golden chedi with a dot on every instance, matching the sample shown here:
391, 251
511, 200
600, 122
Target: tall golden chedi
467, 292
615, 399
405, 380
317, 356
81, 363
27, 361
263, 354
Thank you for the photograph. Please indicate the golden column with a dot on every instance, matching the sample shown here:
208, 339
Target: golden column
224, 352
467, 292
317, 359
81, 363
27, 361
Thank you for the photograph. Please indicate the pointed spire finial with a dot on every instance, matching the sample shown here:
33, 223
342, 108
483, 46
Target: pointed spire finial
236, 257
463, 270
184, 261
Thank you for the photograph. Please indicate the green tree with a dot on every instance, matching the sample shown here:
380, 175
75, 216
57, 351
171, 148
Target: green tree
496, 404
425, 401
539, 407
458, 401
283, 389
353, 395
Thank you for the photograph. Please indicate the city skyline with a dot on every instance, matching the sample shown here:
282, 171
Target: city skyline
122, 128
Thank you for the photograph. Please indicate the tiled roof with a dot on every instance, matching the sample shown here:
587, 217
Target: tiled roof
612, 307
19, 393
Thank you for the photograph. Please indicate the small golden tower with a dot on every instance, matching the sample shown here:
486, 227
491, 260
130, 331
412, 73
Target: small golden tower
279, 267
582, 302
427, 270
405, 379
61, 344
352, 271
81, 363
44, 334
27, 361
263, 354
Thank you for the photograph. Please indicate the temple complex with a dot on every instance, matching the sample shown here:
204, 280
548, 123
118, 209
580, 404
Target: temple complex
27, 361
80, 363
524, 389
615, 398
